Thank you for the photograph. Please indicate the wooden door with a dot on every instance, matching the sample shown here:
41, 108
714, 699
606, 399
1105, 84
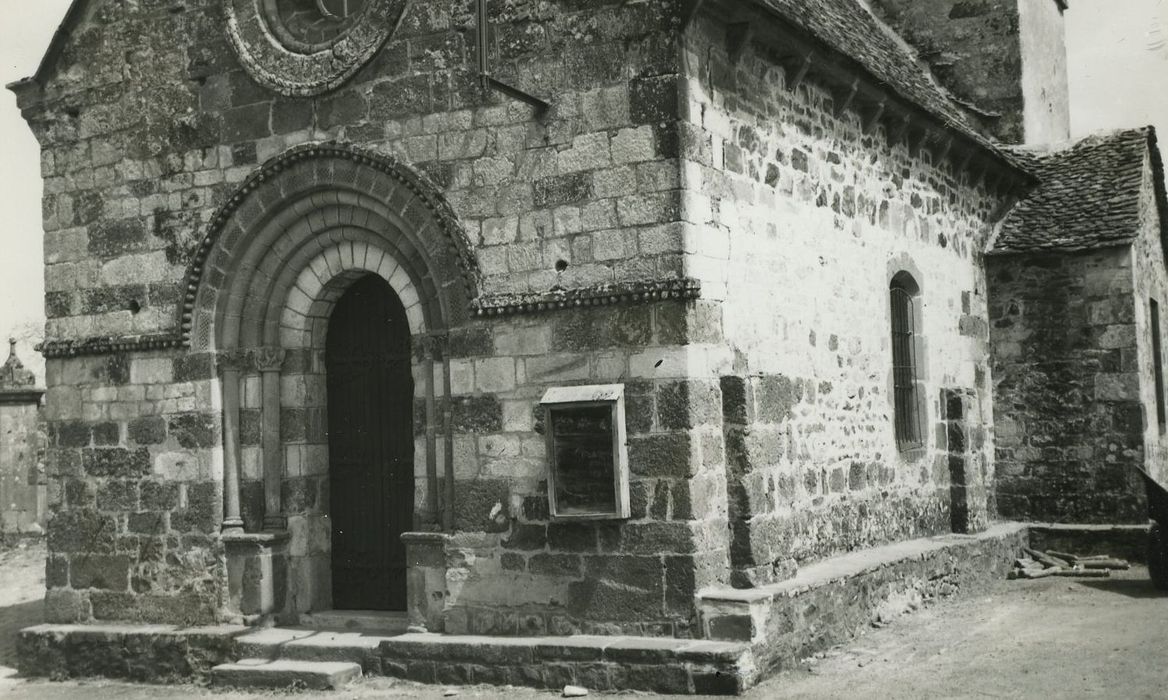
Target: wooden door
371, 460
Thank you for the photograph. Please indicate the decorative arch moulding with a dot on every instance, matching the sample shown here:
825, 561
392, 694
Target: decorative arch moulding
402, 175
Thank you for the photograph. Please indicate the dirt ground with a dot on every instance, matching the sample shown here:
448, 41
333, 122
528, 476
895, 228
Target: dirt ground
1051, 637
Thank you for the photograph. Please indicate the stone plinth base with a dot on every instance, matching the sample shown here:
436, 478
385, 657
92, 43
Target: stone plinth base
257, 573
426, 580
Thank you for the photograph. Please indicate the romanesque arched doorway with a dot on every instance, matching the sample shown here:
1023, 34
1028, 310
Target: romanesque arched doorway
320, 224
371, 448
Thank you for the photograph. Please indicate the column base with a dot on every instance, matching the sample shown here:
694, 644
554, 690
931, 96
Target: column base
426, 580
257, 572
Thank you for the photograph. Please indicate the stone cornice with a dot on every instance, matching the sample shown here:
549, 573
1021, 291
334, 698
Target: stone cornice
9, 397
108, 345
601, 295
486, 306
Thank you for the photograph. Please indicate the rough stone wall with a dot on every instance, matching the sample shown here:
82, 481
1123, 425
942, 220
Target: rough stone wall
22, 474
144, 140
800, 220
1069, 401
1151, 282
513, 570
1006, 57
135, 491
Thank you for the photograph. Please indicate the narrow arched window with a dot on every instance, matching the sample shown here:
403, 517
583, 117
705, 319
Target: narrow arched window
904, 300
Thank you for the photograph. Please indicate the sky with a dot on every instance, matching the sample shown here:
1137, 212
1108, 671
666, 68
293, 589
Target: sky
1117, 52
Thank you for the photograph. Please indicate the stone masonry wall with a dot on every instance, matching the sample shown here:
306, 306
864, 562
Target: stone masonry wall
135, 491
143, 140
512, 569
800, 221
1151, 282
1006, 57
1068, 397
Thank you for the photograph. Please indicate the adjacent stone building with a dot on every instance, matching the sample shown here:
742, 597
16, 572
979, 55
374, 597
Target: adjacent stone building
1076, 279
23, 505
319, 275
1006, 60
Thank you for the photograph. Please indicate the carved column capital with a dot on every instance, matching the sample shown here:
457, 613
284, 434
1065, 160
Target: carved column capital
231, 361
269, 359
434, 345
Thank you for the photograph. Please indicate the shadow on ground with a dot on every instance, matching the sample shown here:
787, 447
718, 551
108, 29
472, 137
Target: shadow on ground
14, 618
1130, 587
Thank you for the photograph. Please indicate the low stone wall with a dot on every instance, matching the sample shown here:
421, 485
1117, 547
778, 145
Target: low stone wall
826, 603
145, 653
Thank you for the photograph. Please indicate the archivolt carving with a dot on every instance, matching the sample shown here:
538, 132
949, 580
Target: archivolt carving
308, 199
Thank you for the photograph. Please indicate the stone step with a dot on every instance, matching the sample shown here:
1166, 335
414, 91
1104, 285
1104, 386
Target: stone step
298, 644
378, 621
285, 673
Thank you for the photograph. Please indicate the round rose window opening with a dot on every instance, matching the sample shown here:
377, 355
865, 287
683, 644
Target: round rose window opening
309, 25
308, 47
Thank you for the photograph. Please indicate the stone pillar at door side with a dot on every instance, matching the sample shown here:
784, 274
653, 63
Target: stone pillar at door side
229, 373
426, 580
269, 361
303, 476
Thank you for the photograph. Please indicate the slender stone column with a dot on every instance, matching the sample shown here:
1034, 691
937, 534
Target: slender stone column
430, 508
229, 372
448, 437
269, 362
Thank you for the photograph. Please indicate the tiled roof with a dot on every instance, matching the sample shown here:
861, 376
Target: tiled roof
848, 27
1089, 196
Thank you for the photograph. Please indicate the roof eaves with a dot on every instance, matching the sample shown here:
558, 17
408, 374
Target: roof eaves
56, 47
986, 144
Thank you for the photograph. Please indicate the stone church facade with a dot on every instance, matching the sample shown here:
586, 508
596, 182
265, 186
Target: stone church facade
283, 237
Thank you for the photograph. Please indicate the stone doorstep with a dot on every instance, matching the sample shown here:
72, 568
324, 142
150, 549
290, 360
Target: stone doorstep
285, 673
374, 621
298, 644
